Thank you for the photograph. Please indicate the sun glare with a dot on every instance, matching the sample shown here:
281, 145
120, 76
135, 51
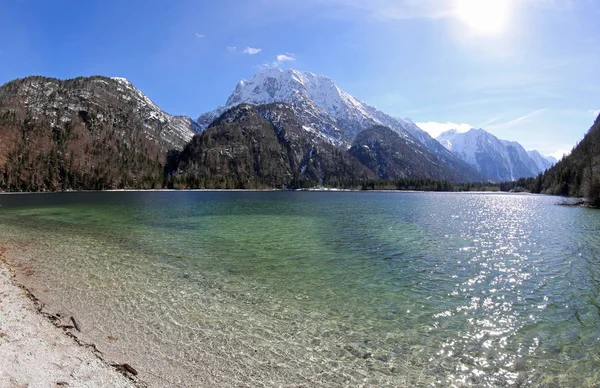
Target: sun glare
485, 17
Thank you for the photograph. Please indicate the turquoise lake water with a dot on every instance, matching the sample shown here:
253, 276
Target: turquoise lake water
320, 288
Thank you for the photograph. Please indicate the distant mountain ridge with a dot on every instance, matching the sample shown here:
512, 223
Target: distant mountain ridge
543, 162
384, 152
99, 133
270, 143
500, 160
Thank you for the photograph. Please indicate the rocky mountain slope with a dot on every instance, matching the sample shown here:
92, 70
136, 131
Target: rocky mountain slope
84, 133
175, 131
542, 162
500, 160
263, 146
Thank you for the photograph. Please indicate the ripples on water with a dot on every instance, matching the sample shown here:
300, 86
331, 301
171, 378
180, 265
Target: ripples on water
322, 289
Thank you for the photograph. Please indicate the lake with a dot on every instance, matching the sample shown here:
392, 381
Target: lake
320, 289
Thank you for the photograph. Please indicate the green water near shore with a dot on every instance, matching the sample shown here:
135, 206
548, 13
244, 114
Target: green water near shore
322, 289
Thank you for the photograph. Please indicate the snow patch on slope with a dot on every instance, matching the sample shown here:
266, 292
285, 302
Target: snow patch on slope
183, 126
501, 160
542, 162
321, 104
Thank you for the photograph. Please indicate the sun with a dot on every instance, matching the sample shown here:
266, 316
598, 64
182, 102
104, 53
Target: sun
484, 17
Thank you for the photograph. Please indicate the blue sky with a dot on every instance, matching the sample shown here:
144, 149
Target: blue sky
533, 77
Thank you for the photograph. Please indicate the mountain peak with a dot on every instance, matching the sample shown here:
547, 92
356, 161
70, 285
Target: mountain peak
293, 87
455, 131
475, 130
322, 104
120, 79
322, 107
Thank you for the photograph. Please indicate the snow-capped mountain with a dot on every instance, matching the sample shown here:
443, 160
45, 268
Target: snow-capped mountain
272, 141
500, 160
323, 107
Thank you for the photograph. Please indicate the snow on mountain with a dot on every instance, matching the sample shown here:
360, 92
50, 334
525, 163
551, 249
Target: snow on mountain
181, 128
543, 162
322, 106
292, 86
500, 160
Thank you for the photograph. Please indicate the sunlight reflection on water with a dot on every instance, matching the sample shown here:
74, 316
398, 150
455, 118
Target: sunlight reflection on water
325, 289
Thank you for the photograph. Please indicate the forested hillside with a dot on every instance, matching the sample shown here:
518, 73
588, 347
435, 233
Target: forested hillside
579, 173
89, 133
262, 147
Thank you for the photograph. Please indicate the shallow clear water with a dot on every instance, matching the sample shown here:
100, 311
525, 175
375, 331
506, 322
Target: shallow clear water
321, 289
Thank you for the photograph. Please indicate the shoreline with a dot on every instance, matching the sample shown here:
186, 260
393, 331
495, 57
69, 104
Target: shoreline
316, 190
39, 349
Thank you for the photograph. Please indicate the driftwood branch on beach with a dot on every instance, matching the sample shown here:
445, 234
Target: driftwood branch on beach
125, 368
75, 325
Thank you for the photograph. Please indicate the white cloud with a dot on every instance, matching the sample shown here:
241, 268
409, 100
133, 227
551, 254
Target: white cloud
281, 58
251, 50
285, 57
199, 35
560, 153
435, 129
593, 112
231, 49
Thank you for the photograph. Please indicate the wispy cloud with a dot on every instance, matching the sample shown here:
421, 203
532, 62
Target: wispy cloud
199, 35
435, 129
285, 58
280, 59
489, 122
593, 112
518, 120
231, 49
251, 50
502, 83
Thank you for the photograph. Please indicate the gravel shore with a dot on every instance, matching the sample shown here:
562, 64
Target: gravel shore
34, 352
